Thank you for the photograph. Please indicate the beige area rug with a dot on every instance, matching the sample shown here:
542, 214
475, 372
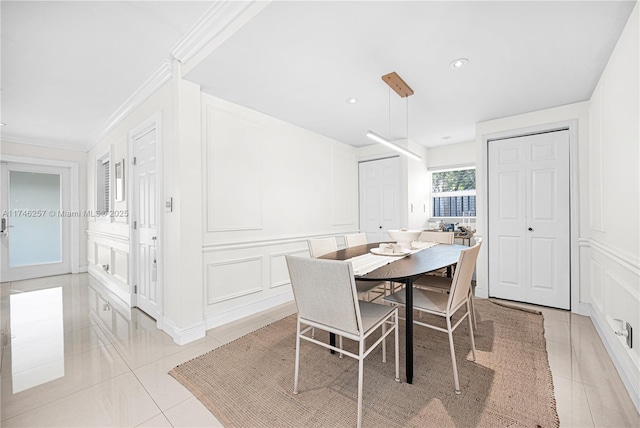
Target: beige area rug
249, 382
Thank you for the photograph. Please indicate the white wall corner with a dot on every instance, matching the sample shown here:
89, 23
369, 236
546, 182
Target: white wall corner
215, 20
182, 336
159, 77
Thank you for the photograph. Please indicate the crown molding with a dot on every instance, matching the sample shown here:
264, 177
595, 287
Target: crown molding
215, 20
161, 76
35, 141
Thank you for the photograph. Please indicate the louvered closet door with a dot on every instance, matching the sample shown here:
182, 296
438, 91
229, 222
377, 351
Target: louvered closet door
529, 258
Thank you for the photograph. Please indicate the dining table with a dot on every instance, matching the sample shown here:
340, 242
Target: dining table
403, 269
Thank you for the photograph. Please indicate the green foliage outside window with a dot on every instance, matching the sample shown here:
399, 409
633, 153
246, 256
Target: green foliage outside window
453, 181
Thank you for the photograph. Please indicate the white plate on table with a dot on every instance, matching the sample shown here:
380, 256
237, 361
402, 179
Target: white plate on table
377, 252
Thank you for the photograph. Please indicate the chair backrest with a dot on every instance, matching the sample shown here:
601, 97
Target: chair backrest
355, 239
325, 293
440, 237
321, 246
461, 282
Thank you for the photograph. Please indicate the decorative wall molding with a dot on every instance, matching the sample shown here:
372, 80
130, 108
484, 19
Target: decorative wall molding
109, 236
273, 282
226, 317
111, 284
161, 76
625, 365
79, 146
238, 214
619, 256
267, 241
215, 20
210, 267
182, 336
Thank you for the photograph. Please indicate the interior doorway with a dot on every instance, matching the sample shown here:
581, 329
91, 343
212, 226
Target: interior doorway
37, 220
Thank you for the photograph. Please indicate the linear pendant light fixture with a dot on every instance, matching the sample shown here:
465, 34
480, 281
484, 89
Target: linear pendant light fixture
396, 83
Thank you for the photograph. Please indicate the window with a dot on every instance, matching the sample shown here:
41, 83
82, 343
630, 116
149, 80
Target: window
453, 192
103, 186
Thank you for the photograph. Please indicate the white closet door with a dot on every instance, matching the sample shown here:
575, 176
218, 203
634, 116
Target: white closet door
529, 258
379, 189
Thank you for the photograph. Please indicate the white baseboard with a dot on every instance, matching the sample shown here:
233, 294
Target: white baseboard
226, 317
83, 269
615, 349
112, 284
182, 336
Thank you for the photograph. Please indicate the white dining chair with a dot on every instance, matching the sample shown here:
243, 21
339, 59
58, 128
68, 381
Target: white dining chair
443, 285
355, 239
446, 305
318, 247
327, 299
440, 238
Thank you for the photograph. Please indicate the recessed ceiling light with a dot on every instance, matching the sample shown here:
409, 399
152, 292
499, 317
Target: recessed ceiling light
352, 100
458, 63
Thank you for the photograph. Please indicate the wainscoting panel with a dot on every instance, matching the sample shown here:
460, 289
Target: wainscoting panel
345, 178
231, 279
279, 269
614, 280
246, 277
233, 171
106, 249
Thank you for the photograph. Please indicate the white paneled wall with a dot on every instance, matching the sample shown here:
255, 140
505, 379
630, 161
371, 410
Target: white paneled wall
612, 250
267, 187
108, 257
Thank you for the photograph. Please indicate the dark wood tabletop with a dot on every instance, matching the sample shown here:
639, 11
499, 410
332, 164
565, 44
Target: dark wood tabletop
427, 260
404, 270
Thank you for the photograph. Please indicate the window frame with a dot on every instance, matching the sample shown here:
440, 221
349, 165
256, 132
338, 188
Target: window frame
101, 187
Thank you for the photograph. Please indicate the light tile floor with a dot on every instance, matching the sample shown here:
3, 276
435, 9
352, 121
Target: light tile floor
71, 356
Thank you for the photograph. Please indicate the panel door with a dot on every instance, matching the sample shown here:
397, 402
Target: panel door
379, 194
146, 217
529, 247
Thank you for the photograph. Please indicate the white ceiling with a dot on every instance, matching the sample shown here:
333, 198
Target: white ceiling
68, 66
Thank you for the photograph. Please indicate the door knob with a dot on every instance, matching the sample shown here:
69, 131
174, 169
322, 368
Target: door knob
530, 229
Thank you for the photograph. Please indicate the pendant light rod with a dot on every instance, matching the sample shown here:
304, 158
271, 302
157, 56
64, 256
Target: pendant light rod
380, 139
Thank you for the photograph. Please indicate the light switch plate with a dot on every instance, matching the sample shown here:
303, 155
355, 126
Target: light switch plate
168, 205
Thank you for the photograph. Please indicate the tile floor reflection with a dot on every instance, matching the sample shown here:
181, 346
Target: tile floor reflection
72, 356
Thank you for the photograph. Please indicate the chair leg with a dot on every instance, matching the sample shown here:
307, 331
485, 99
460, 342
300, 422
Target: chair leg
340, 345
473, 342
473, 308
397, 347
297, 365
360, 381
384, 343
453, 357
